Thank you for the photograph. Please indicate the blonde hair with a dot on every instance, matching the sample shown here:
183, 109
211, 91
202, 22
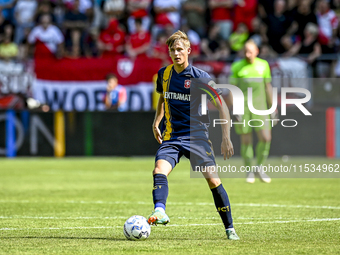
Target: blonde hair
251, 42
178, 36
312, 28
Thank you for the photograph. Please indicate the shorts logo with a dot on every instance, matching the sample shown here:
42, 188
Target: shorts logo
187, 84
208, 153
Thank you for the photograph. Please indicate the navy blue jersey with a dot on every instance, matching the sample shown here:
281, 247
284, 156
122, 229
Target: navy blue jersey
182, 106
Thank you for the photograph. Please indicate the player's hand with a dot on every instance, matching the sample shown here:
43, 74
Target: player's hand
157, 134
108, 88
275, 115
227, 148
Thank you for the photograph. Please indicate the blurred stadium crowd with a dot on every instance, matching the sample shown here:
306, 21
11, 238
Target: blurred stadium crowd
217, 28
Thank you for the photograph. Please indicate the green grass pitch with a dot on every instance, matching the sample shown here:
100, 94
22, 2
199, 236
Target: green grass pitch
79, 206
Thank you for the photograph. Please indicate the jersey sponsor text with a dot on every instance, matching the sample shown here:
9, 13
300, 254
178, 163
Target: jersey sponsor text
177, 96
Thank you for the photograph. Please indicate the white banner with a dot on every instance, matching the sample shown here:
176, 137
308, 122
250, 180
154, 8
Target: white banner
88, 96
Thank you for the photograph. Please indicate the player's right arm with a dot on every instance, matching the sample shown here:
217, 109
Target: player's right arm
158, 118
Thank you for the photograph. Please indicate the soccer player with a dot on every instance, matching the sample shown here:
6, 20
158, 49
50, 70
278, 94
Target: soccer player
178, 138
253, 72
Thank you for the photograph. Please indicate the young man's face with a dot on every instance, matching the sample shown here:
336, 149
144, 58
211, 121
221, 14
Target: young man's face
179, 53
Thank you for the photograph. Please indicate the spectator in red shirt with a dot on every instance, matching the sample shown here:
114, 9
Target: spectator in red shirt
160, 49
138, 9
138, 43
167, 13
111, 40
328, 24
244, 12
221, 15
46, 38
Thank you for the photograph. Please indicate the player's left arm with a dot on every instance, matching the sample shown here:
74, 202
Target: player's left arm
227, 149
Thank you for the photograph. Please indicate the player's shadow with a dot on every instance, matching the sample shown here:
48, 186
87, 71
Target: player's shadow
66, 237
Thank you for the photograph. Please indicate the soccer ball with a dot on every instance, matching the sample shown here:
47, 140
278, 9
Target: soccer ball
136, 228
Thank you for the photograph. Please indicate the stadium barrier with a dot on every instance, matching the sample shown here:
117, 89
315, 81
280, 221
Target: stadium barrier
24, 133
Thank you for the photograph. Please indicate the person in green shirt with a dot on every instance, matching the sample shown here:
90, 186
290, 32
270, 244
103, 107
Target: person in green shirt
253, 72
238, 38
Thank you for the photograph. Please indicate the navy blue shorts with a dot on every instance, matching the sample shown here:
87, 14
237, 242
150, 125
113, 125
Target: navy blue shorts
199, 151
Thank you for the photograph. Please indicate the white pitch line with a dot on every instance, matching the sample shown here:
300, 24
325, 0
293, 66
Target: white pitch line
4, 229
288, 221
122, 217
180, 225
291, 206
260, 222
175, 203
61, 218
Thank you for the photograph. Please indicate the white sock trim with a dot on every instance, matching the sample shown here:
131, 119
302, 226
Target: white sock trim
160, 209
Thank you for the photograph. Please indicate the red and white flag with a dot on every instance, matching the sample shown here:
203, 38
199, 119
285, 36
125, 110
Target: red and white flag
79, 84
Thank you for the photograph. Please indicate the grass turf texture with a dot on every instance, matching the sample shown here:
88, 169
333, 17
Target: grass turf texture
79, 206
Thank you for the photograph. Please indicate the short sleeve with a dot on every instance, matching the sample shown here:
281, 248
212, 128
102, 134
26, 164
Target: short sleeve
59, 35
267, 75
205, 75
216, 91
159, 87
210, 85
32, 36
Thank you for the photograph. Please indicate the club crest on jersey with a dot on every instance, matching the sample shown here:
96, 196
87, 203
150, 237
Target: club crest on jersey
187, 84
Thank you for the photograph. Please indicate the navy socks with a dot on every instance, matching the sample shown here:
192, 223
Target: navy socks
223, 205
160, 194
160, 190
